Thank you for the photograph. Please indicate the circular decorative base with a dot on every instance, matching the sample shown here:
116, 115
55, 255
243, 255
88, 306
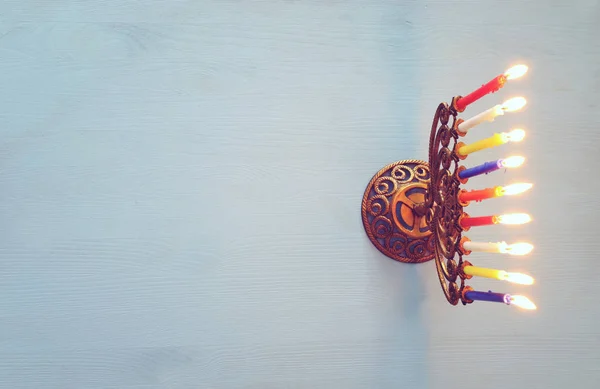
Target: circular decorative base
391, 215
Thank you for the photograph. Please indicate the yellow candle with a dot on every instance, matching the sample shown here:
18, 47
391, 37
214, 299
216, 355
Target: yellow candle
495, 140
483, 272
516, 135
516, 278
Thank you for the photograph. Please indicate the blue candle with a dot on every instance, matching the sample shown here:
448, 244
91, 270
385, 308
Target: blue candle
488, 296
484, 168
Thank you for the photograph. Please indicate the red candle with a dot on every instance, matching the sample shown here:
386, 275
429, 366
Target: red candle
485, 89
467, 222
477, 195
491, 87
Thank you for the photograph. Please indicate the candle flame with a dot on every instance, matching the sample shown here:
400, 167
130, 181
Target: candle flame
514, 218
517, 278
515, 135
512, 162
522, 302
515, 72
514, 104
516, 248
514, 189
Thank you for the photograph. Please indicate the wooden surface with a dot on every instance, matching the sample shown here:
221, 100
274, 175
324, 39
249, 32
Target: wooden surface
181, 184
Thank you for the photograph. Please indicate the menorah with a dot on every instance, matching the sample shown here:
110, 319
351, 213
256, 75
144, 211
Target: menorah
414, 211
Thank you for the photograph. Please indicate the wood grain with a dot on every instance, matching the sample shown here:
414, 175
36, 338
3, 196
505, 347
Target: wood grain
181, 185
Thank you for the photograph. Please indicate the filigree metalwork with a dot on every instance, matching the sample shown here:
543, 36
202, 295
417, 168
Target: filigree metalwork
393, 214
443, 207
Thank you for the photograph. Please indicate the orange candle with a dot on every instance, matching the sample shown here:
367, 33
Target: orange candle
477, 195
467, 222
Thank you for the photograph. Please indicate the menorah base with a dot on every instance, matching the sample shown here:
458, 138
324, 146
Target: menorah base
393, 214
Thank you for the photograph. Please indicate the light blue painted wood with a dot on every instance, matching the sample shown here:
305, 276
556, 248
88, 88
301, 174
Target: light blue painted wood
181, 184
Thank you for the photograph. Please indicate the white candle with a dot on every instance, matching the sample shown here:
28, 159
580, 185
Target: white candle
510, 105
486, 247
485, 116
498, 247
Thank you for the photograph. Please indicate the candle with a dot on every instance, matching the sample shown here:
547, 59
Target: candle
503, 275
510, 105
519, 301
467, 222
484, 168
519, 248
487, 296
465, 197
489, 247
488, 167
515, 135
482, 272
491, 87
485, 116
